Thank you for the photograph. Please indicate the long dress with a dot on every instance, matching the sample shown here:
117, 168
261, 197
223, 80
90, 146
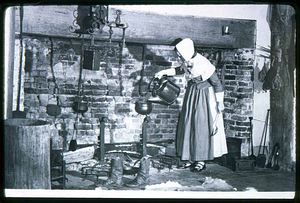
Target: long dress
197, 137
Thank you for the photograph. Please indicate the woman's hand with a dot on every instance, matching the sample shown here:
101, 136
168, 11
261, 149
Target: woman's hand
220, 107
168, 72
160, 74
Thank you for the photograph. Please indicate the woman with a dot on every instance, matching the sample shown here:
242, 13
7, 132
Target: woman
200, 134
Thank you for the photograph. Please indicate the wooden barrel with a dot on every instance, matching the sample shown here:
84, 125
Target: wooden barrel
27, 154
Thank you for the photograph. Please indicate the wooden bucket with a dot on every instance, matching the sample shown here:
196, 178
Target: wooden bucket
27, 154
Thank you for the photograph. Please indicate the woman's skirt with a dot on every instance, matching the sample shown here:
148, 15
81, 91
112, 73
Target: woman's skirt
197, 137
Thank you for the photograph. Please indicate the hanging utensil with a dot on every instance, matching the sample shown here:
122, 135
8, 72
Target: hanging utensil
18, 113
79, 105
73, 142
143, 107
252, 156
277, 82
53, 109
121, 45
263, 73
267, 85
261, 158
142, 74
271, 157
276, 166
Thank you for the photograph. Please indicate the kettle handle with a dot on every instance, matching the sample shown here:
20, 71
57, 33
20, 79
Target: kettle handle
153, 88
157, 84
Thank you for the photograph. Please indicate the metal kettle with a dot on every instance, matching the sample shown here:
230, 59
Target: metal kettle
165, 89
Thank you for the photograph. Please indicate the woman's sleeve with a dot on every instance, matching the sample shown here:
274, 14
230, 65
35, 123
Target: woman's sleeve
179, 70
218, 87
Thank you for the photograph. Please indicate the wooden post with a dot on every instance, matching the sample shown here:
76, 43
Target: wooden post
102, 139
9, 60
144, 135
283, 27
27, 154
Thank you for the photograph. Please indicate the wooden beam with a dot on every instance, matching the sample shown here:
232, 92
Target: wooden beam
146, 27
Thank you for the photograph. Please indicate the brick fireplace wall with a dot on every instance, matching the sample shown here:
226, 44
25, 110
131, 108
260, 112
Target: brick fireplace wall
113, 90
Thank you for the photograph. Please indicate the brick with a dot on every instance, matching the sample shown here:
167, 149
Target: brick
243, 96
27, 84
118, 126
173, 121
241, 129
157, 121
244, 83
239, 118
230, 67
244, 134
42, 85
232, 83
245, 90
242, 62
247, 67
100, 115
98, 92
230, 72
29, 79
98, 99
229, 77
85, 126
99, 105
124, 110
30, 91
163, 63
43, 73
228, 121
164, 131
114, 93
69, 86
244, 72
227, 110
230, 100
98, 110
34, 73
244, 78
242, 123
229, 88
70, 92
156, 136
40, 79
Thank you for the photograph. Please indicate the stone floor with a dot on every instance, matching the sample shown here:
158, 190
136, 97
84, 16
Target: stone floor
260, 179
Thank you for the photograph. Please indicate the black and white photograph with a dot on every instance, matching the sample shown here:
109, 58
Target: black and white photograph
189, 101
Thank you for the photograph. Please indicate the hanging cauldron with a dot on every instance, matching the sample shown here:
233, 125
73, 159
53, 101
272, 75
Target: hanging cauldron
143, 107
165, 89
53, 109
79, 105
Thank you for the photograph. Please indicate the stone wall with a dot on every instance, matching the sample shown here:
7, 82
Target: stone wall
113, 90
